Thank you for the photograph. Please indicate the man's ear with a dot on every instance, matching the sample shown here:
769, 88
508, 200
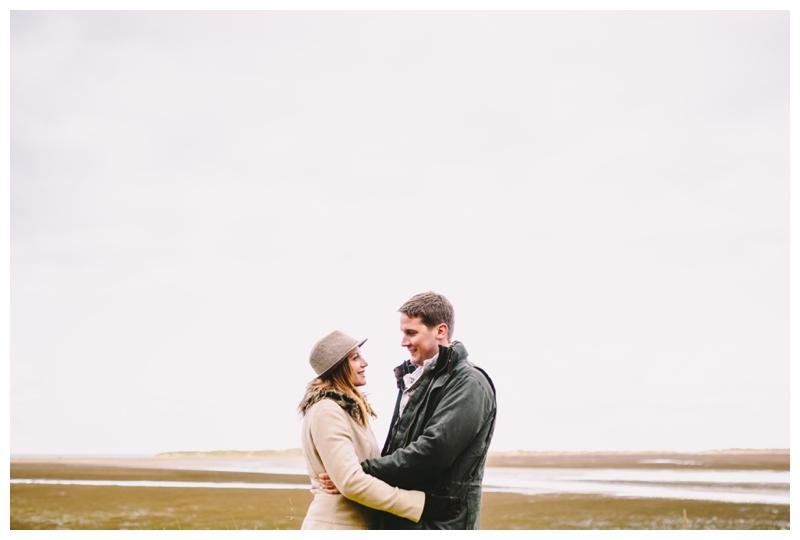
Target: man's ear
441, 331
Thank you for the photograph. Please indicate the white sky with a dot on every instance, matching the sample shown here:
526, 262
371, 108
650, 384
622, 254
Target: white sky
197, 198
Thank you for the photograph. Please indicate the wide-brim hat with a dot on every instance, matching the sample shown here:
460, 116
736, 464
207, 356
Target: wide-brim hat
331, 350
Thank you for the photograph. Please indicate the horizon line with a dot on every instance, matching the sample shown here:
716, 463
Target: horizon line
299, 451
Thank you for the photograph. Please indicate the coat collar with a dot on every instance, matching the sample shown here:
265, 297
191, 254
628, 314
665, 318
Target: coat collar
449, 356
345, 402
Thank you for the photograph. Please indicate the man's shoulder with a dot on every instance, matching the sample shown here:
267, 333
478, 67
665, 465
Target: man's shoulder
480, 374
470, 374
467, 366
464, 363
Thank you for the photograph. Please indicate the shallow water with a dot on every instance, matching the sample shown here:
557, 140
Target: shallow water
159, 483
742, 486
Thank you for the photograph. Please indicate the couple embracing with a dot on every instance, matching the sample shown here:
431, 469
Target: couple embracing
429, 473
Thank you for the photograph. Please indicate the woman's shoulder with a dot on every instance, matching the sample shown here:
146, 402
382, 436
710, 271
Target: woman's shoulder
325, 406
316, 395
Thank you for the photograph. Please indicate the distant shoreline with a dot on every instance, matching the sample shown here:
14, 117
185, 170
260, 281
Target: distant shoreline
296, 452
765, 459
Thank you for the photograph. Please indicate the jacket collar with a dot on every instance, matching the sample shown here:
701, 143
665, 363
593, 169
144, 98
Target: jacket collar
449, 356
345, 402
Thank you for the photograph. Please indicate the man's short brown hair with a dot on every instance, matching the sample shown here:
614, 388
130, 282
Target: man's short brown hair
433, 309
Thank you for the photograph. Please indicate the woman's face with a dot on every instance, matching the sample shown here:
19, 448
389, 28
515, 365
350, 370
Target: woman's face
358, 367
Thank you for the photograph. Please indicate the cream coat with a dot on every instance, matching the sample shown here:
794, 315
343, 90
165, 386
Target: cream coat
335, 443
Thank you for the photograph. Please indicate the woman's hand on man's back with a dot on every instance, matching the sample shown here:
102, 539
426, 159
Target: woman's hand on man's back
327, 485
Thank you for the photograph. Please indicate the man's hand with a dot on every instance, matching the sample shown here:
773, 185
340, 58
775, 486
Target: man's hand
326, 484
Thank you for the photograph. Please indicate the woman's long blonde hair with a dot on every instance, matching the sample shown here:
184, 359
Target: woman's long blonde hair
338, 381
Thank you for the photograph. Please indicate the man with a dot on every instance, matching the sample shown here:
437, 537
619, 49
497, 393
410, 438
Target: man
443, 419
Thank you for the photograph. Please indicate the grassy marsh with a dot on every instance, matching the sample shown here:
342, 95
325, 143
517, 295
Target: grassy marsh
115, 507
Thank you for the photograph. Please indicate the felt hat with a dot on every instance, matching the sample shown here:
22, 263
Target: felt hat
331, 350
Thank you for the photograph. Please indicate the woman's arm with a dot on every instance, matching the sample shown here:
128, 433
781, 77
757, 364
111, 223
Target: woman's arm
333, 440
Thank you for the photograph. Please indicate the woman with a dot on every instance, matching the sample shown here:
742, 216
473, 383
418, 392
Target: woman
336, 437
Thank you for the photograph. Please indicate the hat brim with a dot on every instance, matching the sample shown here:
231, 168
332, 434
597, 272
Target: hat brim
342, 359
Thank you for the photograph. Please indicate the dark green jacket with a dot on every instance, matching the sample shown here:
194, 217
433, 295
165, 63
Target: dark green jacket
439, 444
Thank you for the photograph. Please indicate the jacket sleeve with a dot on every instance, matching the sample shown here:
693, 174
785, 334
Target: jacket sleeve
458, 418
333, 439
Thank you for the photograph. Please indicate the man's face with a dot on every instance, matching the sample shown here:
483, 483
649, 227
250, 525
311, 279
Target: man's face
422, 342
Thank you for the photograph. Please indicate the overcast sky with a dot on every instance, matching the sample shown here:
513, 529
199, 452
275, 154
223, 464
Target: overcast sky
196, 198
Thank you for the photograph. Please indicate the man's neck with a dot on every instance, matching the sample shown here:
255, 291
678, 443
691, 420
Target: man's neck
423, 362
443, 344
